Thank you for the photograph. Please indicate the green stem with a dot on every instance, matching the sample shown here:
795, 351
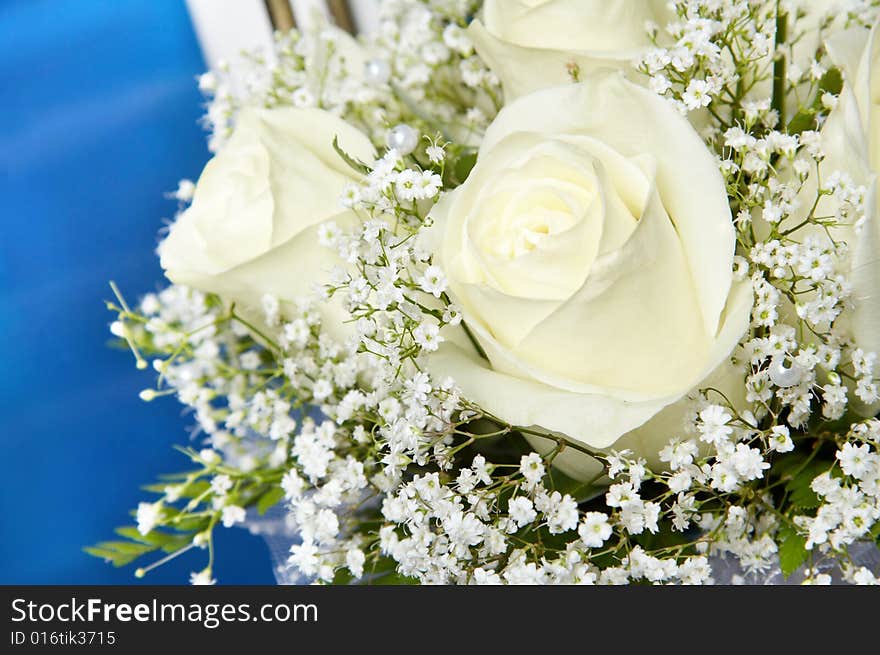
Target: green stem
253, 329
779, 63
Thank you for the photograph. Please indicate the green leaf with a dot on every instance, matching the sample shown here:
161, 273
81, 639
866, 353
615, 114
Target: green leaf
831, 82
119, 553
580, 491
805, 498
195, 489
393, 579
786, 465
154, 538
463, 165
111, 556
384, 572
126, 547
802, 121
167, 541
192, 523
177, 542
343, 577
799, 490
101, 553
792, 550
356, 164
459, 162
269, 499
805, 119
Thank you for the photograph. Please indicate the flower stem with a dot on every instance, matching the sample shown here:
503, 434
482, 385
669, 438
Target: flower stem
779, 62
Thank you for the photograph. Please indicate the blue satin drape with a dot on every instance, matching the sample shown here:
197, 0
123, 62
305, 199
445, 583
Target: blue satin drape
98, 118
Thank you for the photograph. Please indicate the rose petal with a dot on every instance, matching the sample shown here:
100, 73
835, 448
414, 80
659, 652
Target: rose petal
635, 121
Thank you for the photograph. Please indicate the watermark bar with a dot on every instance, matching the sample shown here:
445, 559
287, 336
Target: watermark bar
142, 619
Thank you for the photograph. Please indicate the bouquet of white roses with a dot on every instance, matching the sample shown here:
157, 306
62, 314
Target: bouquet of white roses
558, 291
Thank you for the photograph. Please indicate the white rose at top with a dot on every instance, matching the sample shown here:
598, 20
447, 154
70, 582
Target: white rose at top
530, 44
252, 228
591, 252
851, 142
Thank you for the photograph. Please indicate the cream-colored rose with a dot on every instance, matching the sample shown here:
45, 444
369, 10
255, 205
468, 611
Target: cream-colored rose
591, 252
530, 44
252, 228
851, 142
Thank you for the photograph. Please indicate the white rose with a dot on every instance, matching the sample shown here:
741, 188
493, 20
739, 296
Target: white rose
252, 228
591, 252
851, 142
530, 44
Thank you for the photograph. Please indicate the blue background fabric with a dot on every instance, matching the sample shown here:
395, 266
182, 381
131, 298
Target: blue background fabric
99, 114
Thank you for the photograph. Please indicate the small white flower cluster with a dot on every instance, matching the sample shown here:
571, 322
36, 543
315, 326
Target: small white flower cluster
389, 284
726, 455
304, 69
726, 59
396, 76
748, 527
798, 272
709, 53
849, 493
470, 531
427, 49
843, 14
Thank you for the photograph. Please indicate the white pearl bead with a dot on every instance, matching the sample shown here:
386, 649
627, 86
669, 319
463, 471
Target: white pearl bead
782, 375
402, 138
377, 72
